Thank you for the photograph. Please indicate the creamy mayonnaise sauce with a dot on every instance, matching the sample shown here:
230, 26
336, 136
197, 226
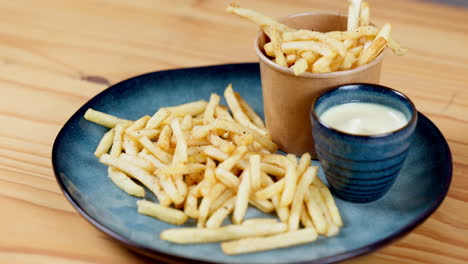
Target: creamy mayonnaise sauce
364, 118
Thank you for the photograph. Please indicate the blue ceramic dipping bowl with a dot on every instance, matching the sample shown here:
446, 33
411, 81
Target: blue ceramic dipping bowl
361, 168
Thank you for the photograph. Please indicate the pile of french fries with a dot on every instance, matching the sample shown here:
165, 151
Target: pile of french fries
312, 51
203, 162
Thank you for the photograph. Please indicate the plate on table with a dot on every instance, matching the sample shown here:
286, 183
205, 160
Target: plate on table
420, 188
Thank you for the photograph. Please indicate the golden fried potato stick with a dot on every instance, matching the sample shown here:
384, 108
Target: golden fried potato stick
169, 215
180, 153
105, 143
256, 244
237, 111
193, 108
316, 36
209, 115
369, 54
103, 119
150, 181
122, 181
257, 18
218, 216
158, 118
354, 10
307, 45
364, 17
257, 120
298, 201
242, 200
300, 66
229, 232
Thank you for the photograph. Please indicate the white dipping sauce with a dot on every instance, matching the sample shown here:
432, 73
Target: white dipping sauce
363, 118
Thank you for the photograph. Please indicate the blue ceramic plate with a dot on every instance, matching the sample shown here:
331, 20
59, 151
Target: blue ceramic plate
418, 191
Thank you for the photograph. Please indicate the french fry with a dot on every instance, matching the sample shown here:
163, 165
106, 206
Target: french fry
323, 64
209, 114
125, 183
269, 50
155, 161
222, 112
242, 200
274, 170
224, 197
137, 161
187, 168
332, 229
147, 132
384, 32
209, 179
270, 191
276, 42
236, 156
257, 18
300, 66
353, 14
168, 185
162, 213
105, 143
304, 163
229, 232
364, 17
223, 145
236, 110
281, 211
315, 212
181, 185
137, 125
187, 123
305, 218
193, 108
218, 216
157, 119
164, 140
372, 51
141, 175
155, 150
330, 202
396, 47
291, 59
206, 202
180, 153
335, 44
227, 177
257, 120
130, 146
256, 244
103, 119
363, 31
262, 205
289, 184
298, 201
215, 153
259, 221
307, 45
310, 57
230, 126
116, 148
255, 172
190, 206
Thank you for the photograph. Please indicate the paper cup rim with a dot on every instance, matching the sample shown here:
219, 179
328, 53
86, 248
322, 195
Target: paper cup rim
289, 71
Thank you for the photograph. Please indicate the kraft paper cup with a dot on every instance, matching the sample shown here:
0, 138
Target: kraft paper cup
287, 98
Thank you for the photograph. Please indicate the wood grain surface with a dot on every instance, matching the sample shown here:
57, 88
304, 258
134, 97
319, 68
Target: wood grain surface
55, 55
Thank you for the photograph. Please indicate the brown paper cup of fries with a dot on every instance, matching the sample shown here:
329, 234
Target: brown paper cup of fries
287, 97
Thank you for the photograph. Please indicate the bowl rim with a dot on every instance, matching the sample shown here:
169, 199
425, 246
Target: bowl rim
355, 86
263, 58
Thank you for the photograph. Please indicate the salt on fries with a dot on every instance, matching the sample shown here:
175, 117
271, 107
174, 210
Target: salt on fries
201, 162
311, 51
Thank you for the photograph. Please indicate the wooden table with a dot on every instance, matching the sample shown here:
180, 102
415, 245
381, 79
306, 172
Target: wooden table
55, 55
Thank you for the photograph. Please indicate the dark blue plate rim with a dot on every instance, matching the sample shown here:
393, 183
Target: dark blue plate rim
142, 249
